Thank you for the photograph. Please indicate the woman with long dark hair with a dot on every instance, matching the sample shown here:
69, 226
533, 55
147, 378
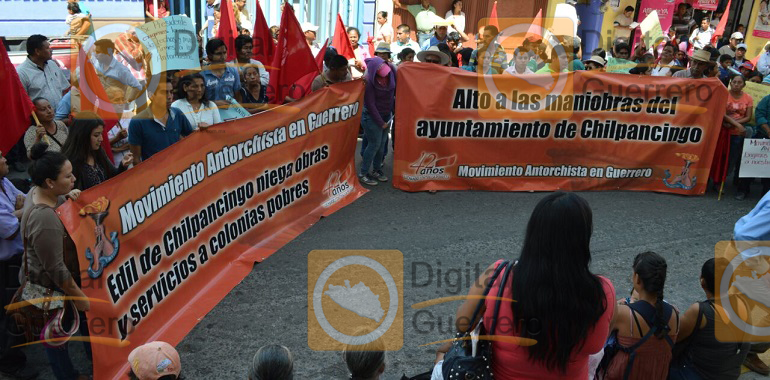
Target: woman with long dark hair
83, 148
560, 304
49, 254
192, 101
635, 321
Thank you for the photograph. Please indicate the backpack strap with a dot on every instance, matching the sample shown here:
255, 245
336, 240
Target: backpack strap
631, 351
476, 313
498, 301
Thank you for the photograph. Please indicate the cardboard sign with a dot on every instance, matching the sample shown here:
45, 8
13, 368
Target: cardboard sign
755, 160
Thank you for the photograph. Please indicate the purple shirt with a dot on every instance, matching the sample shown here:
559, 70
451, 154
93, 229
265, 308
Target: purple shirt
9, 224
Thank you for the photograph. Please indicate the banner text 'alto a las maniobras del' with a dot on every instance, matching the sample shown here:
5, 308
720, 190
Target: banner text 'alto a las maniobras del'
571, 131
163, 243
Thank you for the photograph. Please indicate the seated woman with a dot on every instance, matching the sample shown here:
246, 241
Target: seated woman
90, 164
49, 131
703, 356
192, 101
553, 285
648, 321
274, 362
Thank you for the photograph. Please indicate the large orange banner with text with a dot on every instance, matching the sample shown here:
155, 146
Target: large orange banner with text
571, 131
160, 245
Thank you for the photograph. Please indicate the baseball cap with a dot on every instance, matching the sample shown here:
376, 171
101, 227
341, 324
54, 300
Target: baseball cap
383, 70
737, 35
742, 46
747, 65
308, 27
154, 360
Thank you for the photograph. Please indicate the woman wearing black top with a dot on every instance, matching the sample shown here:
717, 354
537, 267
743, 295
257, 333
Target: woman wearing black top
83, 148
252, 95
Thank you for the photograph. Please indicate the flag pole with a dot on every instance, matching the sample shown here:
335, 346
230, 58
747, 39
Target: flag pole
39, 124
721, 188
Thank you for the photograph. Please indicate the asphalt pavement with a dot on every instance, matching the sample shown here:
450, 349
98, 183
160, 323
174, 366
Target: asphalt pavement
444, 230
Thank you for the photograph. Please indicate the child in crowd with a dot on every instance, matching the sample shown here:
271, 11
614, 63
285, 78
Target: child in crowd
725, 63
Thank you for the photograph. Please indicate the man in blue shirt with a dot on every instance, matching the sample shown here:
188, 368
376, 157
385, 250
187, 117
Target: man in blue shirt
157, 127
12, 360
438, 37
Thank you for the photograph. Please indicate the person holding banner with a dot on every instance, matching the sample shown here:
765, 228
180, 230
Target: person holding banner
221, 80
159, 126
90, 164
379, 103
50, 256
192, 101
45, 128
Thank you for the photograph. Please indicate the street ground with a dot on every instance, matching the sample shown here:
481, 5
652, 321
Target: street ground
445, 230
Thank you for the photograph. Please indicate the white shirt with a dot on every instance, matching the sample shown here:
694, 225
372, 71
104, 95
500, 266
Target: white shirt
704, 37
661, 71
207, 113
117, 157
396, 48
264, 75
382, 32
763, 66
459, 21
512, 71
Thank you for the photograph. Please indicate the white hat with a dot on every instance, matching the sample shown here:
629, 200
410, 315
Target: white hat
598, 60
742, 46
737, 35
308, 27
433, 50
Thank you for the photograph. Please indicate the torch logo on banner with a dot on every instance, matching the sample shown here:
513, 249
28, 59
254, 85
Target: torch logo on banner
683, 180
338, 186
430, 167
105, 250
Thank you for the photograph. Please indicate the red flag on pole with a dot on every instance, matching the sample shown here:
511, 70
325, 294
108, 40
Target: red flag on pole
16, 106
493, 16
721, 26
535, 31
292, 61
341, 41
305, 83
370, 43
261, 39
91, 92
227, 30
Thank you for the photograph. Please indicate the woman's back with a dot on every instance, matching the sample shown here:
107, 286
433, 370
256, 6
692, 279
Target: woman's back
651, 359
511, 361
713, 359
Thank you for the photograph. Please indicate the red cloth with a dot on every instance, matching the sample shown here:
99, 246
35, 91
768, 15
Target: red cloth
293, 59
341, 41
718, 171
262, 40
91, 90
535, 31
16, 105
227, 30
304, 85
722, 24
511, 361
493, 16
370, 44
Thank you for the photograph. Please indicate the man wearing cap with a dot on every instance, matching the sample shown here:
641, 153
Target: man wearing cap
735, 39
595, 63
403, 41
746, 69
518, 65
153, 361
438, 37
701, 60
740, 55
423, 15
310, 36
433, 55
491, 52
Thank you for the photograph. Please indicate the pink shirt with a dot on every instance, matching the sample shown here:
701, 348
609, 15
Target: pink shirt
511, 361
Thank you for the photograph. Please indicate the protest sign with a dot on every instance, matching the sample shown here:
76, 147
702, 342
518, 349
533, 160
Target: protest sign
172, 43
651, 30
571, 131
757, 92
161, 244
755, 160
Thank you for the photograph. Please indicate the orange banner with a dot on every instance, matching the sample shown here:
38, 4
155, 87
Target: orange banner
571, 131
160, 245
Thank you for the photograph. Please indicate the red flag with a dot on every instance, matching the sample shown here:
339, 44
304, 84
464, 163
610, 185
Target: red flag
16, 106
264, 47
91, 91
227, 30
341, 41
535, 31
319, 59
721, 156
370, 44
721, 26
292, 61
305, 83
493, 16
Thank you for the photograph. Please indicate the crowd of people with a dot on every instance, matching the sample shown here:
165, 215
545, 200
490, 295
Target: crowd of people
64, 153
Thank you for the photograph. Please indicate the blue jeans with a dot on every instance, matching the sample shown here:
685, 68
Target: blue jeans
365, 143
376, 137
422, 37
59, 357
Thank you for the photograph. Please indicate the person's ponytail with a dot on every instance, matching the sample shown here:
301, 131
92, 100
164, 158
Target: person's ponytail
651, 269
45, 164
